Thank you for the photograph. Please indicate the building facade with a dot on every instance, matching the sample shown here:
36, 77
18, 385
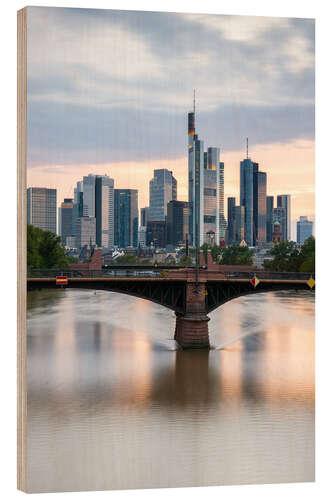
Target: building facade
230, 232
162, 189
269, 217
304, 229
156, 234
85, 232
144, 216
126, 217
205, 190
177, 222
279, 215
42, 208
284, 201
247, 168
66, 219
104, 211
259, 206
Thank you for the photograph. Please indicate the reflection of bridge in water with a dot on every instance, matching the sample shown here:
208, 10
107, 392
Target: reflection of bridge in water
190, 293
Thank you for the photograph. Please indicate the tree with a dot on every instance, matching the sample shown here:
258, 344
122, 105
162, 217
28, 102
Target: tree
44, 249
286, 257
237, 256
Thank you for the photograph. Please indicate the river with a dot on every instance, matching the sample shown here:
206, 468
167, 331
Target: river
114, 404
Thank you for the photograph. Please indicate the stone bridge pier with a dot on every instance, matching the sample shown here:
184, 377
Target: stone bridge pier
192, 325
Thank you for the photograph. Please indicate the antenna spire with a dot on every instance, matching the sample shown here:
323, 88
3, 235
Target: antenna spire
247, 148
194, 101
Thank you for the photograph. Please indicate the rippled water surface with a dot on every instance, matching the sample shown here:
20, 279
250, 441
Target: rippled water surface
113, 404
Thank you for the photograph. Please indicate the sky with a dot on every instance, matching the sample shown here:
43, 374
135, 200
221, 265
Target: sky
109, 92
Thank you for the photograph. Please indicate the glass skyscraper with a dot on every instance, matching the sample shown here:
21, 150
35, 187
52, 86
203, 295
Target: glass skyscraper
260, 206
247, 168
104, 211
42, 208
206, 189
66, 219
126, 217
162, 189
269, 215
304, 229
284, 201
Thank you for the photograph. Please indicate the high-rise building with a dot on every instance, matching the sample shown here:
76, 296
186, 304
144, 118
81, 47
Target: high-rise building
247, 168
156, 233
126, 217
104, 211
284, 201
205, 189
177, 222
162, 189
42, 208
66, 219
269, 217
88, 188
259, 206
144, 216
85, 231
142, 236
239, 224
231, 205
304, 229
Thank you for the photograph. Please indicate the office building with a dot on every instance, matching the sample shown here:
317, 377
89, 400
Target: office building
85, 232
88, 188
162, 189
142, 236
66, 219
259, 206
304, 229
104, 211
156, 234
238, 225
230, 232
177, 222
205, 189
284, 201
144, 216
126, 217
247, 169
42, 208
269, 217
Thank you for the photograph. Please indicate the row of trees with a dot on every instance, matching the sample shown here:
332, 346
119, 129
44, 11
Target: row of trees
232, 255
44, 250
287, 257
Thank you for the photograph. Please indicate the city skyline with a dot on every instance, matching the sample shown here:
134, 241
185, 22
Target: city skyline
103, 115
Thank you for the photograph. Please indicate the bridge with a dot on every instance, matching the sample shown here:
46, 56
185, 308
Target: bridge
191, 293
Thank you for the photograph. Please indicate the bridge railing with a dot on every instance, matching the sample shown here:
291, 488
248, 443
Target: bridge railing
162, 272
85, 273
268, 275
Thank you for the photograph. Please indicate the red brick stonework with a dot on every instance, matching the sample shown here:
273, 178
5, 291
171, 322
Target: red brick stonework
192, 326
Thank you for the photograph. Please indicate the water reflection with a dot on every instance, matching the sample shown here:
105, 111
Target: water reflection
106, 383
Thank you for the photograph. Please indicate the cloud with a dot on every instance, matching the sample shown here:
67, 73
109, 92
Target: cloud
116, 85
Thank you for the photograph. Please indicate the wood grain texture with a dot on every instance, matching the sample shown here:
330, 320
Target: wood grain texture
21, 247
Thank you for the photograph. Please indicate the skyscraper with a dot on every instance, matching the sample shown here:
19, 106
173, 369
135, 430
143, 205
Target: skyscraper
88, 188
177, 222
304, 229
284, 201
85, 231
66, 219
205, 189
231, 205
269, 217
238, 224
104, 211
247, 168
42, 208
259, 208
156, 233
162, 189
144, 216
126, 217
